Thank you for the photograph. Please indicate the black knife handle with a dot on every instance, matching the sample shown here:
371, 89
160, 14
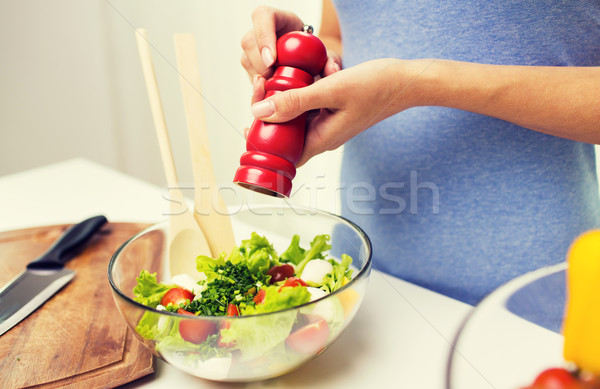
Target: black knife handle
73, 239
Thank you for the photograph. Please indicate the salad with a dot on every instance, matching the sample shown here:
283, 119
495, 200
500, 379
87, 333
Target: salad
253, 280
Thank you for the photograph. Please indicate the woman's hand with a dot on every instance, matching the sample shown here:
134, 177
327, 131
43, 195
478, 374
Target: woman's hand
349, 102
260, 43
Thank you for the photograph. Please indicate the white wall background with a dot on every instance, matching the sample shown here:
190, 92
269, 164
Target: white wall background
71, 86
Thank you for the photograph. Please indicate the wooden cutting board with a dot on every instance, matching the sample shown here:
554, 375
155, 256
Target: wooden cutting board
77, 339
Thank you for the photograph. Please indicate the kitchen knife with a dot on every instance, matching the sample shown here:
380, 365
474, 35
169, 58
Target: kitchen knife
44, 276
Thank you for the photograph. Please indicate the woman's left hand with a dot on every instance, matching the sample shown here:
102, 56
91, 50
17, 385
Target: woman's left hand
349, 101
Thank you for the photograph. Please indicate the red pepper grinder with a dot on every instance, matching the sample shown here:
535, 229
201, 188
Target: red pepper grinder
274, 148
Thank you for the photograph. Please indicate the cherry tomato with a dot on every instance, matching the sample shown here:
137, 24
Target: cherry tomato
176, 296
260, 296
301, 50
195, 331
556, 378
294, 281
280, 273
232, 310
309, 339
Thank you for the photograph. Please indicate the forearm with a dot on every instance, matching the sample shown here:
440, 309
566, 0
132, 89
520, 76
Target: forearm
332, 44
561, 101
329, 31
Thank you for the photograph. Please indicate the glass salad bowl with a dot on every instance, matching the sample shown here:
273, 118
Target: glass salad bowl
245, 347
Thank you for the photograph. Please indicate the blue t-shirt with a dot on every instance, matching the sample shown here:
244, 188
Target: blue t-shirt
459, 202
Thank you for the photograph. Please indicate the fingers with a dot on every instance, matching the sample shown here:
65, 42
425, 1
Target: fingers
258, 88
322, 131
264, 109
333, 64
269, 24
321, 135
324, 101
251, 58
286, 105
259, 44
265, 30
331, 67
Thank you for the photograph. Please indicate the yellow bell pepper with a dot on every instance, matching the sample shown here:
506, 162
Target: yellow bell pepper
348, 298
581, 327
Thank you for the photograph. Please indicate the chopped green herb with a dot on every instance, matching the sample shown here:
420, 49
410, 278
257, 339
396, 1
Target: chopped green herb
234, 284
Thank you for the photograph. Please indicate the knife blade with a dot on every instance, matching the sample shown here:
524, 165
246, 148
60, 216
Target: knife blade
44, 276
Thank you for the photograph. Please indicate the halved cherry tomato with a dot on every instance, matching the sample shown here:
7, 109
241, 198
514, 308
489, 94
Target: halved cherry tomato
309, 339
280, 273
260, 296
176, 296
195, 331
291, 282
232, 310
294, 281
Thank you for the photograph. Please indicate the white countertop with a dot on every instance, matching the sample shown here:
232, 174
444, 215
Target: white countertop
401, 336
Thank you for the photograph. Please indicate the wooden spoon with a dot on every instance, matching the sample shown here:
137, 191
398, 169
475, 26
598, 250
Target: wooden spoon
186, 240
210, 210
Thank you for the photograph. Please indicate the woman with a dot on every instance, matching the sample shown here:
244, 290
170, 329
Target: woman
469, 130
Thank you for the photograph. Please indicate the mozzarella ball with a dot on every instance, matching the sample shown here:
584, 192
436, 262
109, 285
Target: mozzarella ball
187, 282
316, 270
316, 293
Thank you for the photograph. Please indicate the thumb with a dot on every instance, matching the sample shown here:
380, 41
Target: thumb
287, 105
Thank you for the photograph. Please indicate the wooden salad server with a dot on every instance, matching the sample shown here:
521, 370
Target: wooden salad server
186, 239
210, 210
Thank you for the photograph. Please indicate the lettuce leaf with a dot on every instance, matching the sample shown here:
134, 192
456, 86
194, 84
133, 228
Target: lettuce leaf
257, 335
294, 253
278, 298
318, 245
335, 280
255, 253
156, 327
203, 351
148, 291
207, 265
